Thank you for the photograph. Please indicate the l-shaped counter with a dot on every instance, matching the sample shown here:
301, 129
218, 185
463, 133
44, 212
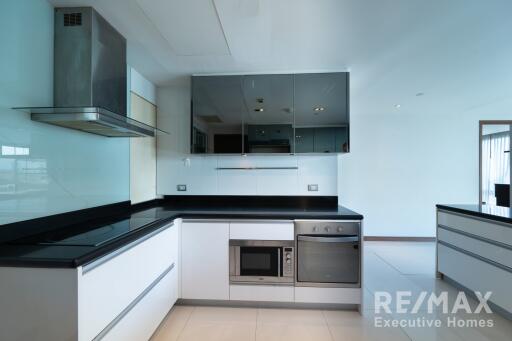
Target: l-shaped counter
96, 292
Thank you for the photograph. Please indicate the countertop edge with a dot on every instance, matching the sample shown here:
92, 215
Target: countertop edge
474, 213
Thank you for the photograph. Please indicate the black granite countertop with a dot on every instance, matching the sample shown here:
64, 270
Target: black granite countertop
25, 253
497, 213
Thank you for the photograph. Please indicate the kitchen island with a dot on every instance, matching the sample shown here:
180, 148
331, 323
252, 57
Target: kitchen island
477, 237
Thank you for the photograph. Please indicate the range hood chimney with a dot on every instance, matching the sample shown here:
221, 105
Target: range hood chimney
90, 80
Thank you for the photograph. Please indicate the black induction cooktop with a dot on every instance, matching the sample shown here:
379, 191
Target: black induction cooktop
93, 236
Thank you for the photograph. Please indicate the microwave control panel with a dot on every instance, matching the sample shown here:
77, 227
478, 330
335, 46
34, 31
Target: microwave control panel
288, 263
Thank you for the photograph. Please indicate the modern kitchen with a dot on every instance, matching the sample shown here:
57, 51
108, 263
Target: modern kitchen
255, 170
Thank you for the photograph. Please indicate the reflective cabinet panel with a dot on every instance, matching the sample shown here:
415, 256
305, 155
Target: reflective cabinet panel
276, 113
268, 120
217, 111
322, 113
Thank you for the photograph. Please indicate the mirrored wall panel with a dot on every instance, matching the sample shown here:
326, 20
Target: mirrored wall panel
272, 113
495, 177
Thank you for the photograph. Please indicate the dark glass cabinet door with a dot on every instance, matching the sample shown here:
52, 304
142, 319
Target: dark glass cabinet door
217, 111
277, 113
268, 120
322, 112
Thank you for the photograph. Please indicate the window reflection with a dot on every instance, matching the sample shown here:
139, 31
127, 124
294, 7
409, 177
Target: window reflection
19, 174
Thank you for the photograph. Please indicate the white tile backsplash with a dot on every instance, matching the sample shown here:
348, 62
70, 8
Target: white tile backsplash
202, 176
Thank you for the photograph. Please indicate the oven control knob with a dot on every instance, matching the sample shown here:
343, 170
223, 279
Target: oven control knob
288, 261
340, 229
327, 229
288, 256
315, 229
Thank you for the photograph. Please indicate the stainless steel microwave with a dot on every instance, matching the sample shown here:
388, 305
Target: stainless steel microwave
261, 261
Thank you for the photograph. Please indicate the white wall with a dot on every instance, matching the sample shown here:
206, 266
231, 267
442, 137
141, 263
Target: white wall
175, 166
403, 163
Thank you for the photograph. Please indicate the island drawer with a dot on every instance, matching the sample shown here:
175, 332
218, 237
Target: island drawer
483, 276
493, 252
494, 231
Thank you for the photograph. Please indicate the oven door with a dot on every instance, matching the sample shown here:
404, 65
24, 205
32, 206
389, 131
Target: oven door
328, 260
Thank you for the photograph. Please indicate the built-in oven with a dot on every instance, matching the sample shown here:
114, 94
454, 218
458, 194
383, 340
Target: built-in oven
261, 261
328, 254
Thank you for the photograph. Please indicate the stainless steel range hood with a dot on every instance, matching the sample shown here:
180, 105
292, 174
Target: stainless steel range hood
90, 79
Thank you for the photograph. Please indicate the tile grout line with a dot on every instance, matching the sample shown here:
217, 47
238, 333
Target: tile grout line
186, 323
401, 274
256, 328
327, 324
391, 265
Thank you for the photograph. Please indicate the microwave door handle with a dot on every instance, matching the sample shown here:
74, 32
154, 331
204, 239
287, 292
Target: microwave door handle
351, 239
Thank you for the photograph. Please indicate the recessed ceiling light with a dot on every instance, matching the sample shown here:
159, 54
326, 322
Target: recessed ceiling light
319, 109
397, 106
259, 109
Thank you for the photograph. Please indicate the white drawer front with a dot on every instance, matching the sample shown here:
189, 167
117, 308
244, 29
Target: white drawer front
262, 293
489, 230
105, 291
143, 319
482, 277
262, 231
328, 295
493, 252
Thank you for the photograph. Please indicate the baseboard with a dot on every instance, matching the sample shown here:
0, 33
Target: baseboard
265, 304
399, 239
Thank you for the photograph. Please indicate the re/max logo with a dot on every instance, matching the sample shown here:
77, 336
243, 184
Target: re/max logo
403, 303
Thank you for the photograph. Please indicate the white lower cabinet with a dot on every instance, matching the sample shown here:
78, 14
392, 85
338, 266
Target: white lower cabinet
114, 283
205, 260
140, 322
262, 293
262, 230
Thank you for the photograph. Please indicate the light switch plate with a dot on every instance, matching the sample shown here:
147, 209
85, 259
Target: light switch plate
181, 188
313, 188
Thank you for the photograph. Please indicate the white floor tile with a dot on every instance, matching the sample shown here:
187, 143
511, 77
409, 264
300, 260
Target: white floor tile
221, 331
290, 316
173, 324
292, 332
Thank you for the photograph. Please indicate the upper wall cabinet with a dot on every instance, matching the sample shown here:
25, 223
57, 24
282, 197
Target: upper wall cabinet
276, 113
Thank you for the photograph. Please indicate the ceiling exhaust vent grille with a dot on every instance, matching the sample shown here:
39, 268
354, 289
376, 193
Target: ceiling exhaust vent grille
72, 19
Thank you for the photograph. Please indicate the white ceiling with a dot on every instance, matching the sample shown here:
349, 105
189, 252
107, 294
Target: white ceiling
448, 49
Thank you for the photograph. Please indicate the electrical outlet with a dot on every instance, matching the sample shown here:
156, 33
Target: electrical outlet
181, 188
313, 188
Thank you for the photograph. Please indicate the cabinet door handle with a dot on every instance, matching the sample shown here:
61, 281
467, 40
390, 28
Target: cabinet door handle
253, 168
